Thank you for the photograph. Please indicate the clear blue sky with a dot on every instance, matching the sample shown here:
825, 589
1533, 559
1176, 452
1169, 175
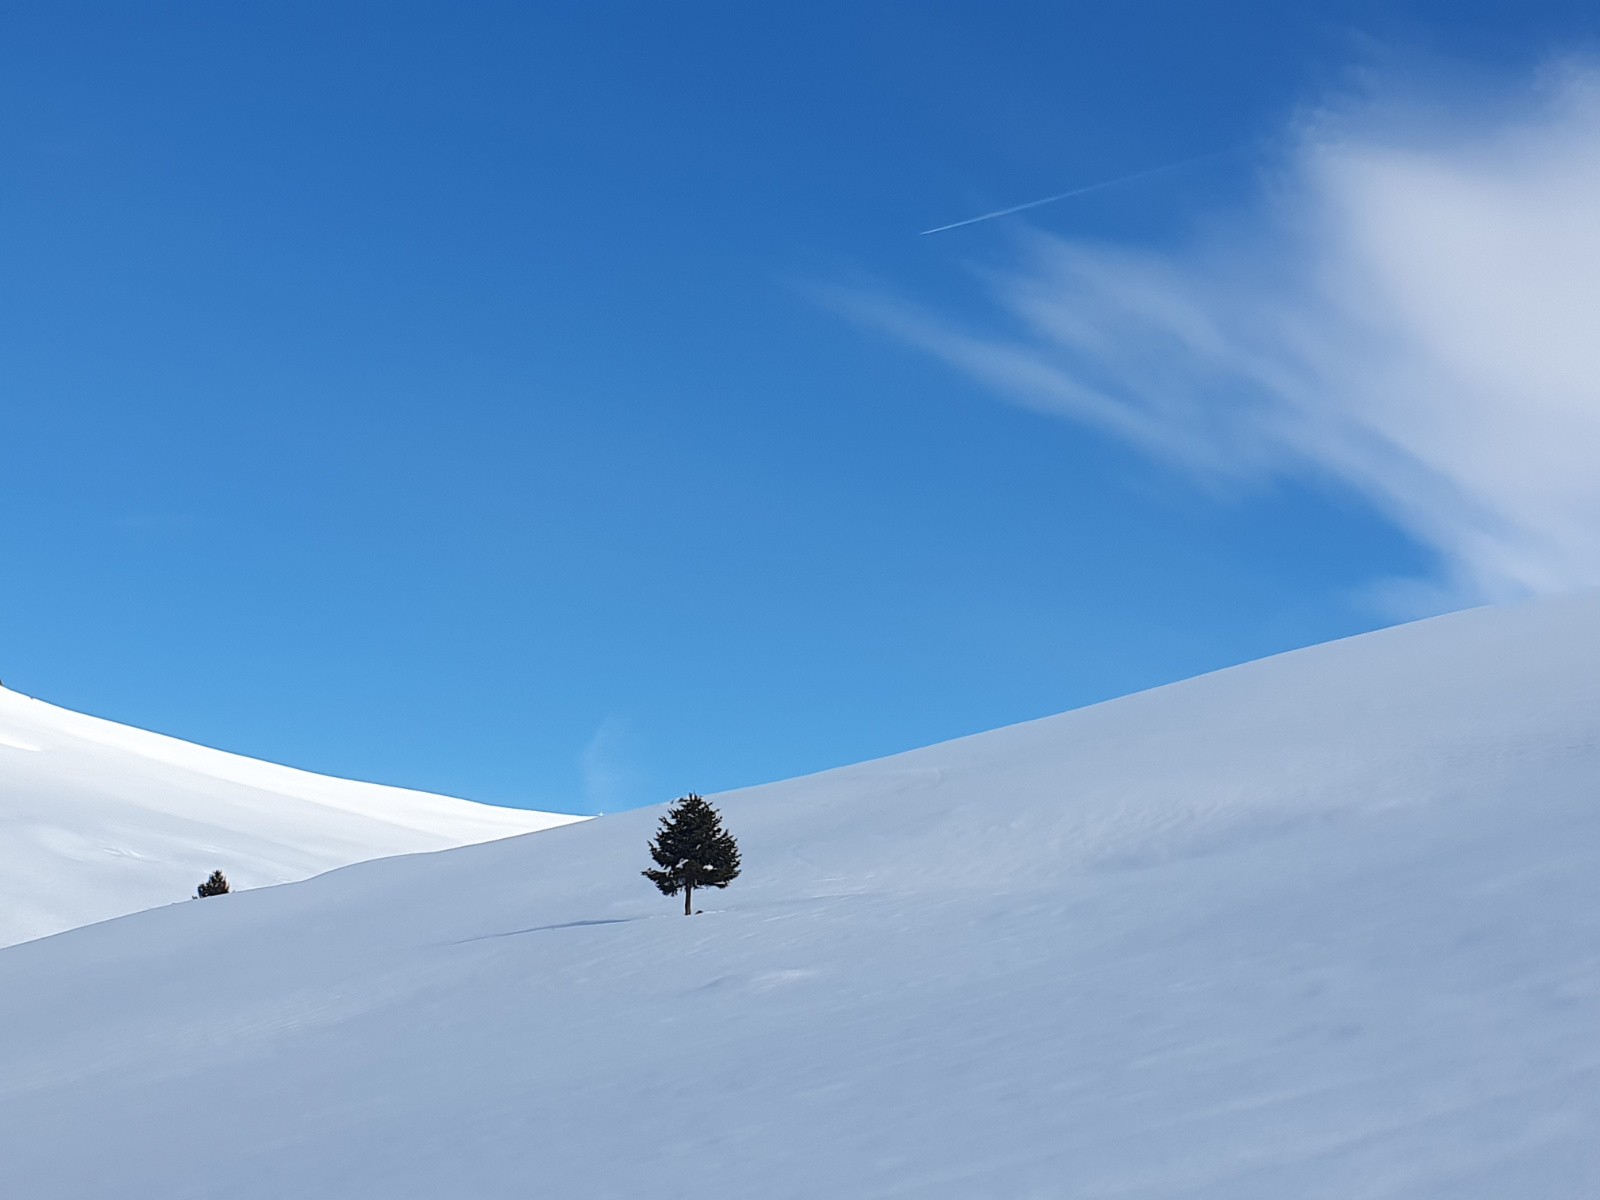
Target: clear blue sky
448, 394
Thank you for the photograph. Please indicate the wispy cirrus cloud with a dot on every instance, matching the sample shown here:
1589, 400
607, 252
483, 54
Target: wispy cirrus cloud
1411, 309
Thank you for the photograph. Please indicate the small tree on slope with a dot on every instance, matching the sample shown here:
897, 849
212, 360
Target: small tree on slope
217, 885
692, 850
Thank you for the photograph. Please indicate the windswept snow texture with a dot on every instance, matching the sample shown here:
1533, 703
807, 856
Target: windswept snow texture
1325, 926
98, 820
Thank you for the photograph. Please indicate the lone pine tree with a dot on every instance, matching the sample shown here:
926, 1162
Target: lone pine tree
217, 885
692, 850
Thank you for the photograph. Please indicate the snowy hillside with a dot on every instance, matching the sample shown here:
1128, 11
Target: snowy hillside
98, 820
1324, 926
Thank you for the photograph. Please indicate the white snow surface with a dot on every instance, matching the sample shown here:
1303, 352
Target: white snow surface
98, 820
1323, 926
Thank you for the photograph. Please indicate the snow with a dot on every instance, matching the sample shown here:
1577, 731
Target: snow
1323, 926
98, 820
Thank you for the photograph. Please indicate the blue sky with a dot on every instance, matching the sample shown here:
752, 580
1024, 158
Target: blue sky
556, 405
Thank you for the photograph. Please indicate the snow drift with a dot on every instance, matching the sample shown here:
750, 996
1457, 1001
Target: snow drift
1327, 925
98, 820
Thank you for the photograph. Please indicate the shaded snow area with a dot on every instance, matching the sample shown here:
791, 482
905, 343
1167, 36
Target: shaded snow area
98, 820
1327, 925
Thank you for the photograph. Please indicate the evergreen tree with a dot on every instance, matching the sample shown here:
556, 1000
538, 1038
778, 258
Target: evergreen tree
691, 850
217, 885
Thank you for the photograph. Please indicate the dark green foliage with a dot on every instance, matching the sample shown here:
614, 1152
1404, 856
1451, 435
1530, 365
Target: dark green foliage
217, 885
692, 850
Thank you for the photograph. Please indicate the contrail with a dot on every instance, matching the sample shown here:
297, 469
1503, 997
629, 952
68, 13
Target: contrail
1093, 187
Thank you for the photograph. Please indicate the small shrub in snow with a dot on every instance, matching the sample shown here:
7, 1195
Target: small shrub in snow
217, 885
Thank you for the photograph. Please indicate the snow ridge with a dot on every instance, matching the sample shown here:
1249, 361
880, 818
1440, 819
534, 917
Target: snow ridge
100, 819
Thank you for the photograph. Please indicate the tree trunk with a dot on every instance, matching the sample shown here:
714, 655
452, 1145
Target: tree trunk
688, 891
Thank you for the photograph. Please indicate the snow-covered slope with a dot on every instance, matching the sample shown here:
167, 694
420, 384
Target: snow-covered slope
1327, 925
98, 820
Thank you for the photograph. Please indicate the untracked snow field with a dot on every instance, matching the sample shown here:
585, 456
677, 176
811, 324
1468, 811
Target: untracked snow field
1327, 925
98, 820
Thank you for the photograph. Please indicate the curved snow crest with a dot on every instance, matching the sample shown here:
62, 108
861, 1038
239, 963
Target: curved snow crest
102, 819
1411, 715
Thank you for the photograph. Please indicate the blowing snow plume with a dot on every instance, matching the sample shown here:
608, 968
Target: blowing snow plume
1408, 310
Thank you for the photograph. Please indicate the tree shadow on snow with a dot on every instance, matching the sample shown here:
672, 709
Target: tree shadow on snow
484, 937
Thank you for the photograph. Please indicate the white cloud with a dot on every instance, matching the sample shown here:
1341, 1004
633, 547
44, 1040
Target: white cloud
1411, 310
